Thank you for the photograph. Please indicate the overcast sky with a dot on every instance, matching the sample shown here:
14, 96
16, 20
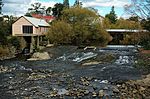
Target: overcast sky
19, 7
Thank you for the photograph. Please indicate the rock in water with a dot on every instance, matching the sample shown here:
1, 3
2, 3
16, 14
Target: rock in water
101, 93
115, 90
62, 91
40, 56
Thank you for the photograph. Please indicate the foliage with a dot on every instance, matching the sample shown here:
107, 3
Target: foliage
4, 51
106, 23
84, 26
146, 24
143, 62
112, 16
80, 24
145, 40
5, 30
141, 9
66, 3
57, 10
36, 9
133, 18
121, 24
48, 11
14, 41
77, 4
60, 32
126, 24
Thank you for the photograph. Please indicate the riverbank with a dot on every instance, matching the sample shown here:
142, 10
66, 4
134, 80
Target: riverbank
143, 61
138, 89
135, 89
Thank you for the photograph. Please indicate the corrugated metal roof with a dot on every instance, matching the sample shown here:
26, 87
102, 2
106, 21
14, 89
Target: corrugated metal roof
125, 30
36, 22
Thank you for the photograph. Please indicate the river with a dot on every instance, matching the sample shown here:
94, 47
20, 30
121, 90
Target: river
70, 73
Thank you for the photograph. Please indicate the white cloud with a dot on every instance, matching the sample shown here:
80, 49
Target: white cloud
104, 3
20, 7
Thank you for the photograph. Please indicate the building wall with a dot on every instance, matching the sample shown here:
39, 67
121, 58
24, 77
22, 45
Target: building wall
41, 30
17, 27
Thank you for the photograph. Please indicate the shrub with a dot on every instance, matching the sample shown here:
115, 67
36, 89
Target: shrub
3, 51
145, 40
14, 41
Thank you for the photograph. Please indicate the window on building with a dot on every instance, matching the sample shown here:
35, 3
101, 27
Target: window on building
27, 29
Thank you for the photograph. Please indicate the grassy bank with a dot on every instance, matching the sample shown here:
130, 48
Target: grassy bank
7, 52
143, 62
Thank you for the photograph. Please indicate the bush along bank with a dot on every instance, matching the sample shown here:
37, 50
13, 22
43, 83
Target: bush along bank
7, 52
143, 62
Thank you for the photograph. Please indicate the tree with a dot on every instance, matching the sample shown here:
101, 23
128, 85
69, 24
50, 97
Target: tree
48, 11
77, 3
36, 9
106, 23
112, 16
84, 29
134, 18
146, 24
57, 9
60, 33
127, 24
145, 37
5, 29
140, 8
66, 3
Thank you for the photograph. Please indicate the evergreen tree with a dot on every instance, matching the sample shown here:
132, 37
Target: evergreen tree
66, 3
77, 3
112, 16
57, 10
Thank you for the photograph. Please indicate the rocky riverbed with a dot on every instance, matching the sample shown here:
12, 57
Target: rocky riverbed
73, 73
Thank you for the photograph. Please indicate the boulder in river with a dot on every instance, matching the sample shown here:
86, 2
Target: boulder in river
40, 56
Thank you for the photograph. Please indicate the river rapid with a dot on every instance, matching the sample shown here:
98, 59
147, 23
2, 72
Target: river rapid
70, 73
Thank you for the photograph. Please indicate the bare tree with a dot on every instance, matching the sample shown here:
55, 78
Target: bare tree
140, 8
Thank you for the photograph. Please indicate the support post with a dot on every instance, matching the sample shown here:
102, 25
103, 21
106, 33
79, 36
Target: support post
37, 41
32, 44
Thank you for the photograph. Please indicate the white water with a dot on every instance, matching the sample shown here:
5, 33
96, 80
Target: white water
78, 56
125, 60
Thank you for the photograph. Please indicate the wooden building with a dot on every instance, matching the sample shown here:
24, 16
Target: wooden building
31, 29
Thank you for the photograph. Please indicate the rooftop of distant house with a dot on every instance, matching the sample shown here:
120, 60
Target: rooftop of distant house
47, 18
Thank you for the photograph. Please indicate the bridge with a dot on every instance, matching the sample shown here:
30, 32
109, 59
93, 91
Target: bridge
119, 34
